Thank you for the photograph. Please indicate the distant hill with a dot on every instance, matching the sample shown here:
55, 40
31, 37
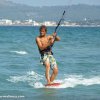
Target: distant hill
10, 10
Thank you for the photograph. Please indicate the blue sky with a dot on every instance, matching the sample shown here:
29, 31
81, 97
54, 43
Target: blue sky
56, 2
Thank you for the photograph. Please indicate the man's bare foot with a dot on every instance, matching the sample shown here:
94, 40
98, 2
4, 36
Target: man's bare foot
50, 82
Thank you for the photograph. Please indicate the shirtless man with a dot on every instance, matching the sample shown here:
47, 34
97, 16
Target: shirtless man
44, 43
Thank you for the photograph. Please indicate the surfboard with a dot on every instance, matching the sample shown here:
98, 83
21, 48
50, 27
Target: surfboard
53, 84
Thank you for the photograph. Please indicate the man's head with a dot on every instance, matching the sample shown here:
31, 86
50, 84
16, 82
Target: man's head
43, 30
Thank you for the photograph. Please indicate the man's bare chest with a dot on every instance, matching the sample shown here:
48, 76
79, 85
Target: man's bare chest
44, 41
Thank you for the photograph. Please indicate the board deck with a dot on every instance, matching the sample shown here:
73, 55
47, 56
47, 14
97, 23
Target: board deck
53, 84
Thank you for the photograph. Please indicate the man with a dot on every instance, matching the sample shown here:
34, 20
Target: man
44, 43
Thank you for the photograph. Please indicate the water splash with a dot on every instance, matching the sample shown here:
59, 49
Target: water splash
36, 80
31, 78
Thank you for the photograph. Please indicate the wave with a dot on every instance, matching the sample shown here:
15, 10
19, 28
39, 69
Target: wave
20, 52
36, 80
30, 76
75, 80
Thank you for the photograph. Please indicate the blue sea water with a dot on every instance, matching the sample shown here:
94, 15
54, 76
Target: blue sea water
77, 55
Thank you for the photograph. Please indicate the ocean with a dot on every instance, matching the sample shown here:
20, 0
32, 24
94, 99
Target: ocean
22, 77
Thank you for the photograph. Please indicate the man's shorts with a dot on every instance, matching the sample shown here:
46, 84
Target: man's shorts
50, 59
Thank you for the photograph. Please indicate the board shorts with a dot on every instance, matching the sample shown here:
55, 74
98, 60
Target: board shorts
50, 59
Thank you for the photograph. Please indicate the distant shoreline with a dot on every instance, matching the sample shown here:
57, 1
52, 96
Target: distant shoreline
30, 22
48, 26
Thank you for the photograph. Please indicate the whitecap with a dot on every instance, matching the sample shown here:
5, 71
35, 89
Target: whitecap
30, 77
75, 80
20, 52
36, 80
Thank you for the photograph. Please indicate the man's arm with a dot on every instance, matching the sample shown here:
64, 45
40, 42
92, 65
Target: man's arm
57, 38
41, 46
54, 37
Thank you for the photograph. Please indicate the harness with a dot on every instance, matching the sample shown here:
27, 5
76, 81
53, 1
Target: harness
47, 51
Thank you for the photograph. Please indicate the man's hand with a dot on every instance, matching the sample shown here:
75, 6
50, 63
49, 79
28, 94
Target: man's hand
56, 38
54, 34
52, 39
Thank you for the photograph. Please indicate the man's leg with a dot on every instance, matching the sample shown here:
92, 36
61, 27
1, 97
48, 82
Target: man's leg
54, 74
47, 72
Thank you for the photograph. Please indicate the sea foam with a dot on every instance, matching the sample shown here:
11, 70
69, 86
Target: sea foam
36, 80
20, 52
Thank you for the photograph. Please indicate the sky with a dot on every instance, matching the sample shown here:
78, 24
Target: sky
56, 2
